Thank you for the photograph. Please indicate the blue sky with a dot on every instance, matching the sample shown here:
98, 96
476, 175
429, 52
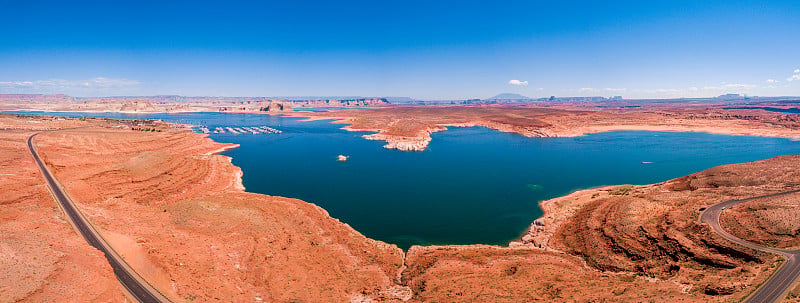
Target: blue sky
442, 50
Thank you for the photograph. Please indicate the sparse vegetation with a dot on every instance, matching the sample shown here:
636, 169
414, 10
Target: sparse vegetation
146, 129
794, 294
621, 191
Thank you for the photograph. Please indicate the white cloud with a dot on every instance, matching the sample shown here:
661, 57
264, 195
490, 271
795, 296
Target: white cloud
794, 77
518, 82
62, 85
772, 81
586, 89
615, 90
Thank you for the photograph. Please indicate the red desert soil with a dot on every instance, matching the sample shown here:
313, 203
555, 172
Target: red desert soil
771, 222
179, 215
653, 230
183, 217
409, 127
42, 259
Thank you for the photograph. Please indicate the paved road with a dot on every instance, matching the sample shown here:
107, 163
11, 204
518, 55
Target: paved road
136, 286
774, 289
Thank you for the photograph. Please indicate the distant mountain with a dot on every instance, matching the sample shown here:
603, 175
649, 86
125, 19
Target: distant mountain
35, 98
731, 97
509, 96
298, 98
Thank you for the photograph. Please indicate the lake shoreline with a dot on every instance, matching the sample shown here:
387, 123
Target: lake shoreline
529, 228
409, 128
192, 225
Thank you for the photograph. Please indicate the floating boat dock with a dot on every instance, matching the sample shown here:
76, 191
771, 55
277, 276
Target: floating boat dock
255, 130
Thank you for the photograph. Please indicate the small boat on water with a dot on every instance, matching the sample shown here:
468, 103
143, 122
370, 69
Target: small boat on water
342, 158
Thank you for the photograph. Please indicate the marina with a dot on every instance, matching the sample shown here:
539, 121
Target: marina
451, 206
254, 130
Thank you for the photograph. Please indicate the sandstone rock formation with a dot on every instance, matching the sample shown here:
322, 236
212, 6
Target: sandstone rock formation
409, 127
771, 222
277, 106
199, 237
358, 102
135, 106
172, 104
653, 230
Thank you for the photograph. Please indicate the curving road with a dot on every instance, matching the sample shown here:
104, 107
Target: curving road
137, 287
773, 290
776, 287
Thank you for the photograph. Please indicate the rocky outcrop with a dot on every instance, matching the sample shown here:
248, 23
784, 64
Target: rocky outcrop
483, 273
415, 143
653, 230
771, 222
277, 106
409, 127
357, 102
135, 106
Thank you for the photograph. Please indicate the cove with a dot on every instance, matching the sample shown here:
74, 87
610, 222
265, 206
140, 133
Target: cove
471, 186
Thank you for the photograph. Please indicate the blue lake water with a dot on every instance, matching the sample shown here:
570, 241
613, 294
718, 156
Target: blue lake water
791, 110
472, 185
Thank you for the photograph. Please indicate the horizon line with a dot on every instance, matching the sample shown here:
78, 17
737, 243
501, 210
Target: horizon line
339, 97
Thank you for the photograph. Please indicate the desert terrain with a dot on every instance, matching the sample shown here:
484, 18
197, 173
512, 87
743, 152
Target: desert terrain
179, 216
771, 222
171, 104
409, 127
198, 235
42, 259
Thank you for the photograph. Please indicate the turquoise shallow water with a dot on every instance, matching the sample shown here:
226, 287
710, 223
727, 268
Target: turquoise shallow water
472, 185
